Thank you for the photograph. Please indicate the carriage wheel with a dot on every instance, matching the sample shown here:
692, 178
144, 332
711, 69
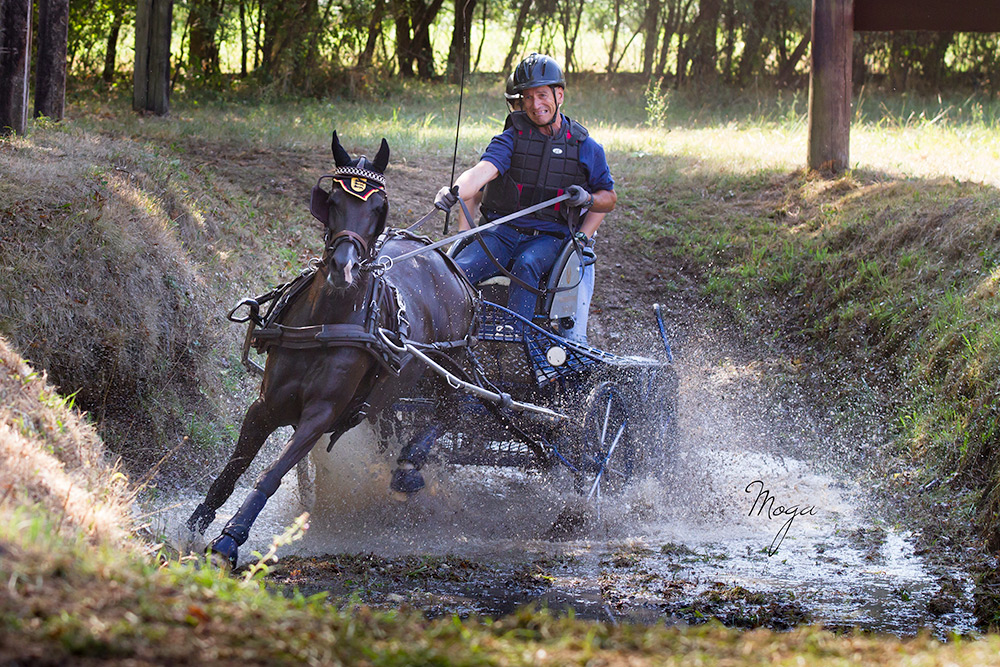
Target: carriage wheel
608, 457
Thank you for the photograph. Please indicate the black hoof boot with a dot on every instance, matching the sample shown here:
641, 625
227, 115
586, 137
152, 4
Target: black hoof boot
225, 547
406, 480
200, 519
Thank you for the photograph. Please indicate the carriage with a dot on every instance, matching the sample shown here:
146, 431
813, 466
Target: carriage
603, 417
350, 342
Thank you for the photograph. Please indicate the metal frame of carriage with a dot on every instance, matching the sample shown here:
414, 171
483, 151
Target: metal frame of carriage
537, 399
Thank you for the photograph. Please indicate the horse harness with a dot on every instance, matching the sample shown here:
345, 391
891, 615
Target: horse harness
385, 315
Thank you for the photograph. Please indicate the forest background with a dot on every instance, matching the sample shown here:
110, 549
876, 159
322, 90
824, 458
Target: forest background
319, 47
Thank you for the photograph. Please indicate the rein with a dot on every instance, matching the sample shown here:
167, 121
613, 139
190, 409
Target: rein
386, 263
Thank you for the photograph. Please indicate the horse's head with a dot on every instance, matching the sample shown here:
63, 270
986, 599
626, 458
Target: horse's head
353, 211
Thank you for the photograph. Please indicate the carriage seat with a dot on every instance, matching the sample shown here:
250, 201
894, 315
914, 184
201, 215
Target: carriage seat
558, 309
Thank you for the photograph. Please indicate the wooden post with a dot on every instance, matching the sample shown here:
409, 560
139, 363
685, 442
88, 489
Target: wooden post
151, 75
830, 85
50, 70
15, 59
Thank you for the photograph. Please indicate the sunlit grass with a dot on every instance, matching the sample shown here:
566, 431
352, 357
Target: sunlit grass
751, 131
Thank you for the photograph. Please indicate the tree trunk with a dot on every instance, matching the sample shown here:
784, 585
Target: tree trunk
704, 32
787, 68
651, 30
458, 54
830, 85
243, 38
515, 45
669, 27
15, 52
730, 29
111, 51
932, 63
572, 12
374, 32
151, 89
203, 49
755, 26
482, 40
423, 17
614, 37
50, 74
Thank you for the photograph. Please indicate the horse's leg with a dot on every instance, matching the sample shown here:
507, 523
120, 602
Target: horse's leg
407, 478
258, 424
319, 418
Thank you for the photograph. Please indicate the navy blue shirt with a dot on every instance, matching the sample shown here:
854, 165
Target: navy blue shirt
592, 158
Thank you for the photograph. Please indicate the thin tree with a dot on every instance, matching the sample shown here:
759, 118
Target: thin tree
650, 28
704, 32
515, 44
374, 32
15, 52
111, 48
458, 53
50, 69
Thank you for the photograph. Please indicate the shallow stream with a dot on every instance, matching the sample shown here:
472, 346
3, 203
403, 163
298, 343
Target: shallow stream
698, 541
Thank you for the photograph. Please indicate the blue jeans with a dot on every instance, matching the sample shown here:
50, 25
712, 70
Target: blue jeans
533, 258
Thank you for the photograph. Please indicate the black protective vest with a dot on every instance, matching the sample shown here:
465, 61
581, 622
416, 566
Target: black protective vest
541, 167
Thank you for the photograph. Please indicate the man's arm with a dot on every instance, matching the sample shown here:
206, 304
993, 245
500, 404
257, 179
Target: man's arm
604, 202
470, 182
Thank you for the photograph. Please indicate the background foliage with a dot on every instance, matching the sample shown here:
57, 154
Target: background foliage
319, 47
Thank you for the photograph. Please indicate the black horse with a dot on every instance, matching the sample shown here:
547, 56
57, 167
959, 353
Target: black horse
328, 366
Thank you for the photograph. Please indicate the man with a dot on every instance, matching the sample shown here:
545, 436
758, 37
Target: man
542, 155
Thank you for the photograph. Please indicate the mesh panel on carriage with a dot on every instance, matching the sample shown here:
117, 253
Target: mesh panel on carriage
502, 325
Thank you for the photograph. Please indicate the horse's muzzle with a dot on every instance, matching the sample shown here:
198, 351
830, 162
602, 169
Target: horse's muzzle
344, 267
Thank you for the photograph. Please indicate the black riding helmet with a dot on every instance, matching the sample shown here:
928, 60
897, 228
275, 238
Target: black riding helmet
537, 70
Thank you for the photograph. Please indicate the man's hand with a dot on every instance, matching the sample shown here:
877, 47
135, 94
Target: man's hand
446, 198
579, 196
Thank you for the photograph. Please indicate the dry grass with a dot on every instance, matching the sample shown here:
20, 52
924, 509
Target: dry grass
51, 457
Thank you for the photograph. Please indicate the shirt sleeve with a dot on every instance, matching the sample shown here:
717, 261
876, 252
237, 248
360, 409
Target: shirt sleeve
594, 161
499, 152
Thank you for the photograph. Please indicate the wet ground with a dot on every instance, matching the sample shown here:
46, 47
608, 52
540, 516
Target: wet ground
763, 520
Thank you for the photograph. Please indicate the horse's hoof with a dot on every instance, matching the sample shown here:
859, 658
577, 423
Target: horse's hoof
226, 549
408, 480
200, 519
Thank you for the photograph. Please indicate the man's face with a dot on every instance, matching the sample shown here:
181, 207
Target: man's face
540, 103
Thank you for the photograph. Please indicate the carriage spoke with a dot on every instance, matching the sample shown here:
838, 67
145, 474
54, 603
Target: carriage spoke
607, 419
596, 488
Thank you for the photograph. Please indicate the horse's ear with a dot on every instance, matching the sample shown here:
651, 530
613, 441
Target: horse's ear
340, 156
382, 158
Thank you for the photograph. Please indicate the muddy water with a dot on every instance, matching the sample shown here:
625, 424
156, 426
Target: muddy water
759, 521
